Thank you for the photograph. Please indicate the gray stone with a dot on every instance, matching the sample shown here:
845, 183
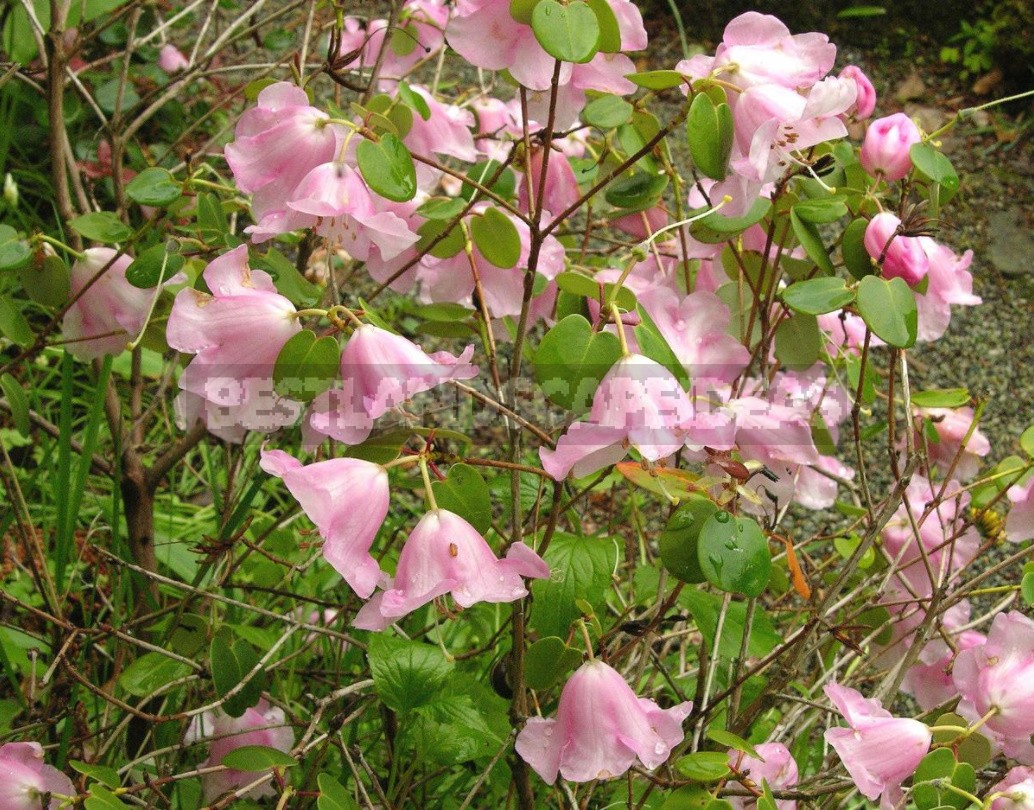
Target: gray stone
1011, 247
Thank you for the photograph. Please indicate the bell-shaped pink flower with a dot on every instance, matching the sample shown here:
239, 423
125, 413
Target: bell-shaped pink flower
111, 313
999, 676
777, 767
260, 725
235, 333
879, 750
445, 554
347, 499
1017, 788
865, 97
171, 59
601, 727
388, 369
1019, 524
885, 150
948, 282
903, 256
26, 777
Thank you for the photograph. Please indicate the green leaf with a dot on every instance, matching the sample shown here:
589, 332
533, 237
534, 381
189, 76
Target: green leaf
587, 287
387, 167
852, 247
888, 308
101, 226
709, 128
155, 187
798, 342
941, 398
155, 265
636, 192
13, 324
17, 402
504, 186
407, 674
734, 741
102, 773
48, 282
734, 554
289, 282
808, 235
1026, 584
306, 366
1027, 441
547, 661
230, 663
703, 766
465, 492
14, 252
101, 798
569, 33
521, 10
715, 228
496, 238
610, 31
821, 210
935, 166
678, 542
607, 112
656, 79
817, 296
151, 671
332, 795
212, 223
441, 208
572, 359
857, 12
580, 569
414, 99
254, 758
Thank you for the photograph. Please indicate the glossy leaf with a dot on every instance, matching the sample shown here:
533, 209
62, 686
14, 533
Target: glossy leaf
547, 661
678, 542
808, 235
607, 112
570, 33
734, 554
888, 308
253, 758
387, 168
154, 266
155, 187
703, 766
14, 251
101, 226
798, 342
48, 282
709, 128
306, 366
817, 296
572, 359
496, 238
465, 492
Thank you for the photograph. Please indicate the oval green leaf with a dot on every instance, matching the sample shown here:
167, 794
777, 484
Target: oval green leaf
817, 296
734, 555
496, 238
569, 33
388, 168
888, 308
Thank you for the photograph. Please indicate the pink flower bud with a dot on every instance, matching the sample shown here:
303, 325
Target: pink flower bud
1018, 787
601, 726
865, 99
885, 149
171, 59
26, 777
902, 256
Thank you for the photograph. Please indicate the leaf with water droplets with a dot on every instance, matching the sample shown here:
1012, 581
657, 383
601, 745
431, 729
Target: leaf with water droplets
734, 555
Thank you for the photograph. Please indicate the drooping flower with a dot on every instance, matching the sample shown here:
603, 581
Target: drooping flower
879, 750
1019, 525
885, 150
262, 724
110, 313
235, 334
347, 499
1018, 790
777, 767
445, 554
25, 778
948, 282
998, 677
901, 256
601, 727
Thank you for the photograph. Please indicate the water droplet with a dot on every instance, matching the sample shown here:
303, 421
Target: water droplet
731, 545
660, 748
722, 517
717, 561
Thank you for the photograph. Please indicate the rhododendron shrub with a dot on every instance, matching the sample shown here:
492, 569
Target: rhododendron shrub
391, 438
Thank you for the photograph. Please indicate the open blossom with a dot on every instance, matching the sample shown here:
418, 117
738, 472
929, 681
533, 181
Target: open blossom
601, 727
952, 425
26, 777
110, 313
885, 150
445, 554
235, 334
948, 282
777, 767
1019, 525
902, 256
260, 725
998, 676
879, 750
1018, 790
347, 499
638, 402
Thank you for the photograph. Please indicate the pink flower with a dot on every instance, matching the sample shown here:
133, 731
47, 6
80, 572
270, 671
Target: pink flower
601, 727
865, 98
949, 282
235, 333
171, 59
445, 554
347, 499
1018, 790
638, 402
388, 369
696, 329
999, 676
951, 425
1019, 524
903, 256
776, 766
111, 313
885, 150
879, 750
446, 132
930, 680
260, 725
26, 777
